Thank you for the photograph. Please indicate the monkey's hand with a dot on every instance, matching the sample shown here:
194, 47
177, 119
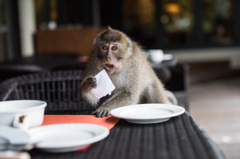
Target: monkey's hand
102, 111
88, 84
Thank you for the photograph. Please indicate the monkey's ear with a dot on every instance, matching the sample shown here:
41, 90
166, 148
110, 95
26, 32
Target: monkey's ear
109, 28
129, 43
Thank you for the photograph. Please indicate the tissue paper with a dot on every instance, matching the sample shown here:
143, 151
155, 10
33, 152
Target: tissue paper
104, 85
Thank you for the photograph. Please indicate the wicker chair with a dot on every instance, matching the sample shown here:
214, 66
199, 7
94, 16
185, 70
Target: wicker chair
59, 89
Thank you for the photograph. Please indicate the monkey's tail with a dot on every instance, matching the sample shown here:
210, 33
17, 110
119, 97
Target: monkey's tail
171, 97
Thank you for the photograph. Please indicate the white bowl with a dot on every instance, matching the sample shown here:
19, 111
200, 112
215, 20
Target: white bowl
33, 109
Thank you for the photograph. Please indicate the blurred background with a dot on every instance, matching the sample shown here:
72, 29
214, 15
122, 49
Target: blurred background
204, 34
192, 30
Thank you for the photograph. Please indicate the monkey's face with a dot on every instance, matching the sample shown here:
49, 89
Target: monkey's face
112, 48
110, 58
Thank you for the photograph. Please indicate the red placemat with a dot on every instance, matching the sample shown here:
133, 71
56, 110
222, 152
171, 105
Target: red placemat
108, 122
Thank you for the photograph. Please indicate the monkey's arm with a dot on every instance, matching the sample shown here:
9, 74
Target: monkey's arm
86, 86
121, 98
89, 82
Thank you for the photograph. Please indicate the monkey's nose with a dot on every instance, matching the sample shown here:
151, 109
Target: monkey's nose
108, 56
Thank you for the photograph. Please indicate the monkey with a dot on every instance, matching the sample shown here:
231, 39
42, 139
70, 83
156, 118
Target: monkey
129, 69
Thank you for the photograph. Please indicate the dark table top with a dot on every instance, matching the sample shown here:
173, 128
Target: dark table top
179, 138
50, 61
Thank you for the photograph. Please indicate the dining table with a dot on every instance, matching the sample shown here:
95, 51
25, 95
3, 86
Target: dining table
181, 137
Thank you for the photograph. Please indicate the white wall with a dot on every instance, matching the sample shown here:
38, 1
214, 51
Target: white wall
208, 54
27, 26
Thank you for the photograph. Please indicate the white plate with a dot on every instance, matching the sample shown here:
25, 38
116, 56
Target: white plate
147, 113
67, 137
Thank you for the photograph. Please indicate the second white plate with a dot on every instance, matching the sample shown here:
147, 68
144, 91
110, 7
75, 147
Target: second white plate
147, 113
67, 137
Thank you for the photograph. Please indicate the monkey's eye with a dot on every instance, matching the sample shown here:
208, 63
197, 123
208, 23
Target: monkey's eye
104, 47
114, 48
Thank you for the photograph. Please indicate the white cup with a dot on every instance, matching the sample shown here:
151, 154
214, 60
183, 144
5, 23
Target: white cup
155, 56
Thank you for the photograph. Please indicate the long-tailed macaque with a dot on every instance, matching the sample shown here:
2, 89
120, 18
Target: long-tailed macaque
128, 67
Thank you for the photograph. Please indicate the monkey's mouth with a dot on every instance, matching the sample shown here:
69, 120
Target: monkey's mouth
109, 66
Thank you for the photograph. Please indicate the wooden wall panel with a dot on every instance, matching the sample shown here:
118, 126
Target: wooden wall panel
78, 41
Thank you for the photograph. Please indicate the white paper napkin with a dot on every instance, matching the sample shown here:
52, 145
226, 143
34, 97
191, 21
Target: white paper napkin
104, 85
